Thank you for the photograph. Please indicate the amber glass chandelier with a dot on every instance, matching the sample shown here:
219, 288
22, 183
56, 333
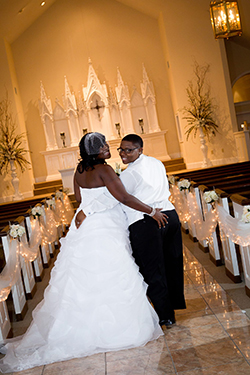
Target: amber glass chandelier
225, 19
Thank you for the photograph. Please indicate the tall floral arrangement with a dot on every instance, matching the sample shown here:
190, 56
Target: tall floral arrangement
200, 111
10, 142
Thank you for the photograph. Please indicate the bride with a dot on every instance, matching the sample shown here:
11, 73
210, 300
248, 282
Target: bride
96, 298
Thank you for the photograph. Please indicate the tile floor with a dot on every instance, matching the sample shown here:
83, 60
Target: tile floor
212, 336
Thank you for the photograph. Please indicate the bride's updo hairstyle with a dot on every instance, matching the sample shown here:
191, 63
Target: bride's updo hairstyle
89, 146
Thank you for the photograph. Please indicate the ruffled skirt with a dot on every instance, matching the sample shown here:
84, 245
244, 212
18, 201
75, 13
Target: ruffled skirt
95, 302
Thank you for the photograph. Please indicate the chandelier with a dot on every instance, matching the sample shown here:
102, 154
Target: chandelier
225, 19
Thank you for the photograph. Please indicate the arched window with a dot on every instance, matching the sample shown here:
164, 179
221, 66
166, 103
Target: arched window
241, 96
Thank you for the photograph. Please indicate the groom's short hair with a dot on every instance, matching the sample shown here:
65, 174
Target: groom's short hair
134, 138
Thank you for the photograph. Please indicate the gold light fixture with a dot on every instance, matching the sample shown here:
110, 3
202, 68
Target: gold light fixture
225, 19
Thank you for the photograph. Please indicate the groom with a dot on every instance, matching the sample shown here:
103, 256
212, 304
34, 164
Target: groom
157, 251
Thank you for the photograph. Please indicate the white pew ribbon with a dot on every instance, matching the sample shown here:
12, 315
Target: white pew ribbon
9, 275
48, 227
235, 229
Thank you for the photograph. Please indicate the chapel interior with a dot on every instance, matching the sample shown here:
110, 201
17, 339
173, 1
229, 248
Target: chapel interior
119, 67
47, 53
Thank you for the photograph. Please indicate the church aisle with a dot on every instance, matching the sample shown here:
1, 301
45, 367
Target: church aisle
212, 336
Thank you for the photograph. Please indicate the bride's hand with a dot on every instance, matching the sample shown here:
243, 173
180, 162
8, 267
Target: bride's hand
161, 218
79, 218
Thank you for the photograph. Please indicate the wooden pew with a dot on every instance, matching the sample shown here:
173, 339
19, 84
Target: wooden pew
197, 192
225, 180
231, 256
26, 267
5, 325
214, 247
20, 306
44, 248
230, 169
238, 203
37, 263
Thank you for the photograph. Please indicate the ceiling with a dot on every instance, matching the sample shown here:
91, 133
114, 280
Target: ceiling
17, 15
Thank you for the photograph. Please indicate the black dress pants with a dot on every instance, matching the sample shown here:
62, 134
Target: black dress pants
158, 253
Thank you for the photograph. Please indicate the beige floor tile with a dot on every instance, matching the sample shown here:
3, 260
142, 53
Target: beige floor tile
191, 292
179, 338
32, 371
218, 299
233, 319
196, 304
241, 368
204, 289
200, 277
224, 309
241, 338
196, 319
156, 346
187, 280
157, 363
92, 365
220, 352
186, 314
192, 265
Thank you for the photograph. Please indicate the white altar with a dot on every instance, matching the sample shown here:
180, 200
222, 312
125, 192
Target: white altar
61, 163
112, 112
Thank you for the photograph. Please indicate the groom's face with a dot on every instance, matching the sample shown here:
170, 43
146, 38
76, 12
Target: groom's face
129, 151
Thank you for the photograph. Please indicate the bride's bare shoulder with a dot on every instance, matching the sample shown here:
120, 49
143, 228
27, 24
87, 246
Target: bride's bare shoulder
106, 171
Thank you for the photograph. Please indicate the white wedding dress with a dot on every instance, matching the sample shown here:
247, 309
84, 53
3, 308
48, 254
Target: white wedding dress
96, 299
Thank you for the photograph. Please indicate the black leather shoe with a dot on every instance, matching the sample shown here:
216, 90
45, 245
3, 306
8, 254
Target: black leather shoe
167, 322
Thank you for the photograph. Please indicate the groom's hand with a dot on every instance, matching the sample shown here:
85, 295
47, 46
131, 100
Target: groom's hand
79, 218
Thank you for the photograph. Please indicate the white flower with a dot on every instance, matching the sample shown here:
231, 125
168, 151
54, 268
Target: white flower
171, 179
214, 195
183, 184
247, 217
13, 231
37, 211
246, 214
59, 194
16, 230
210, 196
50, 203
118, 169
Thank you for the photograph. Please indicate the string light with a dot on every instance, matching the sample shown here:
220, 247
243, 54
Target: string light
189, 213
43, 230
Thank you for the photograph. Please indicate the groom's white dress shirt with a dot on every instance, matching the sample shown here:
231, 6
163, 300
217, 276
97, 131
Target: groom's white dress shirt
146, 179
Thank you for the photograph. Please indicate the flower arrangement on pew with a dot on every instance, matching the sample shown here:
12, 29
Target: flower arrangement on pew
66, 190
50, 203
37, 211
210, 196
184, 184
59, 194
246, 214
16, 231
171, 179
